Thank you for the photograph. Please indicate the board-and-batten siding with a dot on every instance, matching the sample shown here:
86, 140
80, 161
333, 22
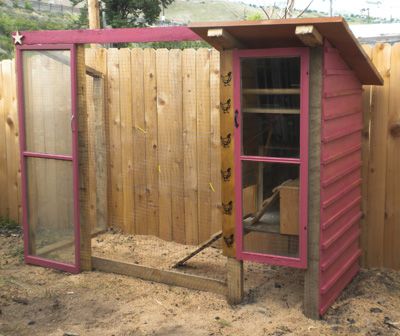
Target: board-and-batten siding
340, 177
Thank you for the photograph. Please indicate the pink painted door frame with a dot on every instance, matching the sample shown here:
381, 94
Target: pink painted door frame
31, 259
302, 161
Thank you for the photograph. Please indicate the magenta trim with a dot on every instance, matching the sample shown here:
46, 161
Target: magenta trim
47, 156
39, 261
29, 259
301, 261
115, 35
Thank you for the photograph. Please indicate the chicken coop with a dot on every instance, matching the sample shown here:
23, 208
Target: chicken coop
290, 113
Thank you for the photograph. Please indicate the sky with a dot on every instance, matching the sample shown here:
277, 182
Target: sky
378, 8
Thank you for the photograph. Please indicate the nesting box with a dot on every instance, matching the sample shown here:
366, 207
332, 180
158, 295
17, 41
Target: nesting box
291, 108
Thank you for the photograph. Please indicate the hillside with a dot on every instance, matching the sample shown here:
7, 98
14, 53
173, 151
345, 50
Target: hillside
14, 18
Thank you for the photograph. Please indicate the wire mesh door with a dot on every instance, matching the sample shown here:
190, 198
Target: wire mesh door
271, 137
48, 140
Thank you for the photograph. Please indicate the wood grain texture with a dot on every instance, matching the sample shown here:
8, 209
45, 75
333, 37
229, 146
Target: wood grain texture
378, 159
176, 157
312, 275
83, 161
3, 150
153, 274
235, 279
203, 141
115, 190
391, 237
227, 155
164, 143
215, 145
189, 88
150, 107
139, 142
126, 99
365, 159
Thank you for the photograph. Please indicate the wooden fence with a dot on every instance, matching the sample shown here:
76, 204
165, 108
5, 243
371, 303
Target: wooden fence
164, 155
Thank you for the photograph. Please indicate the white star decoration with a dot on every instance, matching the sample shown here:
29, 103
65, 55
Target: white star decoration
18, 38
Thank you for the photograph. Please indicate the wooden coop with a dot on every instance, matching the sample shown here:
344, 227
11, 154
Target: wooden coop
291, 119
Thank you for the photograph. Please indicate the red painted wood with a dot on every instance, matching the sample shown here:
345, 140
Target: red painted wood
116, 35
340, 178
301, 261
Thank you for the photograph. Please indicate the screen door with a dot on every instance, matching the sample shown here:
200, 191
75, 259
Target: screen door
271, 135
48, 135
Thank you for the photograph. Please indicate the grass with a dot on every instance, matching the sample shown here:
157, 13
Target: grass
9, 226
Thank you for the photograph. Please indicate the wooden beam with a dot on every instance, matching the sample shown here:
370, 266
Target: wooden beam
227, 154
226, 40
163, 276
235, 280
83, 161
94, 14
312, 281
309, 35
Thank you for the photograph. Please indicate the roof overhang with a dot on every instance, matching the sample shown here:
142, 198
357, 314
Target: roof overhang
282, 33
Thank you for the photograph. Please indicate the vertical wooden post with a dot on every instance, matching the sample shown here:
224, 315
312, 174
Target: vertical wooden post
83, 160
311, 282
94, 14
234, 267
234, 280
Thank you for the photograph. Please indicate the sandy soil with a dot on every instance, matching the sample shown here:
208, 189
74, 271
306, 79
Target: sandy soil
38, 301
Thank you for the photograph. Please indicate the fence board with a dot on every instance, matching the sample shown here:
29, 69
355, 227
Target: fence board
126, 100
150, 107
164, 142
115, 194
139, 142
3, 150
377, 158
391, 238
203, 141
190, 145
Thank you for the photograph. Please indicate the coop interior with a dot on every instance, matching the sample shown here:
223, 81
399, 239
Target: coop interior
270, 104
51, 198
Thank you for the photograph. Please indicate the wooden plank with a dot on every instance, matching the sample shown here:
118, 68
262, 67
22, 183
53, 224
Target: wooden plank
139, 142
16, 140
190, 145
309, 35
83, 161
378, 158
227, 155
167, 277
203, 141
367, 91
3, 148
150, 108
312, 278
391, 255
215, 155
235, 280
224, 39
90, 58
164, 143
100, 139
115, 191
176, 155
11, 135
126, 101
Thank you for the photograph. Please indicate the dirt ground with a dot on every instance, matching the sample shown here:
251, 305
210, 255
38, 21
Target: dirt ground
38, 301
